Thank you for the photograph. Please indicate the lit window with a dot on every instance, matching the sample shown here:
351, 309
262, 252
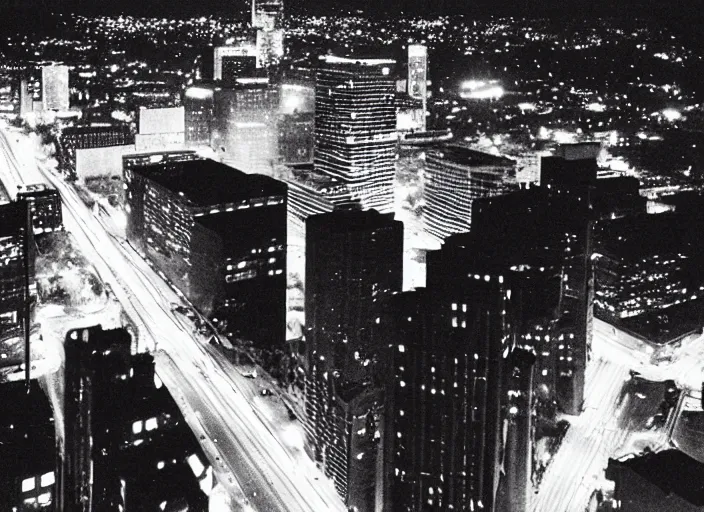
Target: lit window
454, 306
401, 348
402, 384
136, 427
28, 484
47, 479
454, 321
151, 424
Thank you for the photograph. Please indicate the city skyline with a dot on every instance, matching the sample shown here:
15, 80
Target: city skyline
275, 261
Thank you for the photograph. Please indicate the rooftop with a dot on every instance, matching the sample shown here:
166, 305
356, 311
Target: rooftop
342, 221
207, 182
672, 471
466, 156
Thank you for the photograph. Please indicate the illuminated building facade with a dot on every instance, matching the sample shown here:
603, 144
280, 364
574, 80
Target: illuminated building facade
55, 88
199, 112
312, 193
270, 47
355, 127
74, 138
158, 157
27, 448
244, 51
44, 207
234, 67
296, 138
455, 176
15, 239
220, 236
353, 260
245, 132
267, 14
127, 446
26, 98
418, 77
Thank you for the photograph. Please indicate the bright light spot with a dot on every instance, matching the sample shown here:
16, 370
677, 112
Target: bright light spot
385, 71
44, 499
563, 137
401, 348
402, 384
114, 68
199, 93
359, 456
292, 437
513, 410
160, 465
543, 133
526, 106
671, 114
596, 107
196, 465
492, 92
151, 424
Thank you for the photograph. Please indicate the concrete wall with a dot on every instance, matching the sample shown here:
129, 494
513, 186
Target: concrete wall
105, 161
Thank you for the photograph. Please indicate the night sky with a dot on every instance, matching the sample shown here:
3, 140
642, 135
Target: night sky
682, 9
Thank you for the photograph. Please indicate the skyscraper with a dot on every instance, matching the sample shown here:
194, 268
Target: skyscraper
220, 236
55, 88
455, 177
199, 112
267, 14
17, 255
245, 128
126, 445
27, 448
555, 225
242, 53
418, 76
353, 260
355, 127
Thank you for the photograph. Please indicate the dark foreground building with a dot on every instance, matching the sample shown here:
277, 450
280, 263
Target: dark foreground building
17, 256
220, 236
126, 445
45, 207
669, 480
27, 448
353, 260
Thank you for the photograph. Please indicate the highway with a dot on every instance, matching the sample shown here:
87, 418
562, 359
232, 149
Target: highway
270, 479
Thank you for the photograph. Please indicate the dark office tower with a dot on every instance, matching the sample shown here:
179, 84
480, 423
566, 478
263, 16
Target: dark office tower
355, 123
571, 164
44, 206
27, 448
555, 223
17, 255
220, 236
236, 66
516, 485
198, 106
353, 260
454, 177
472, 334
95, 398
126, 445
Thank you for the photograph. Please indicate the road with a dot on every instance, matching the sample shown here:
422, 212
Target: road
273, 481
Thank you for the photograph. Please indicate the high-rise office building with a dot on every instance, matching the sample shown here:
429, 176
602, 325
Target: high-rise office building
555, 225
418, 77
234, 67
27, 448
26, 97
245, 133
73, 138
455, 177
270, 47
355, 127
267, 14
17, 255
55, 88
44, 207
353, 260
160, 129
220, 236
199, 112
240, 54
126, 445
